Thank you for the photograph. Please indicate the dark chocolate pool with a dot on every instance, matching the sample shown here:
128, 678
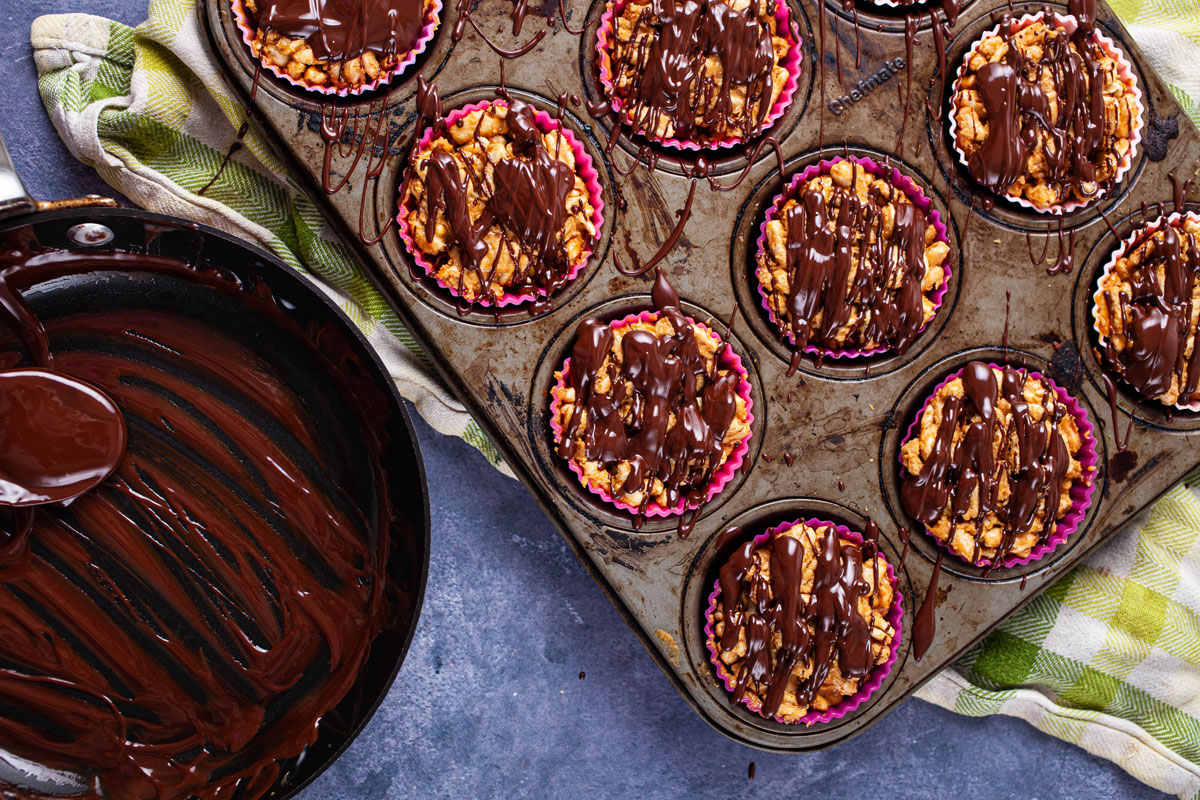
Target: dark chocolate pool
221, 615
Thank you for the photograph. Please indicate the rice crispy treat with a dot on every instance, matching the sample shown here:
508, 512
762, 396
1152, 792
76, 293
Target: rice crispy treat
972, 538
873, 606
650, 61
1148, 308
294, 55
1040, 182
477, 142
610, 478
882, 250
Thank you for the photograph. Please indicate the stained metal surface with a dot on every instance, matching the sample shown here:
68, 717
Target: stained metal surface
839, 422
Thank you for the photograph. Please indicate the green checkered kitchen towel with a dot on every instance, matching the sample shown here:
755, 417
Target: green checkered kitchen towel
1108, 658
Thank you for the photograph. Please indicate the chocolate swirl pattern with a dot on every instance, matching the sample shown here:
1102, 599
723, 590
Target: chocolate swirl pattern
176, 631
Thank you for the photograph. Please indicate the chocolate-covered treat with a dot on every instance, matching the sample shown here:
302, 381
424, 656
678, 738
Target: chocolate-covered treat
1045, 112
650, 409
702, 71
496, 204
342, 44
1147, 309
850, 263
801, 619
992, 464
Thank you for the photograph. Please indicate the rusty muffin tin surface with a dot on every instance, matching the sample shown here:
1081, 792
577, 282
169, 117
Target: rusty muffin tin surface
841, 422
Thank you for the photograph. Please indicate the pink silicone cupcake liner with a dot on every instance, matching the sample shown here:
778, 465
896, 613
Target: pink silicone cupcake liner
898, 179
1127, 245
1124, 72
719, 478
583, 167
433, 16
874, 680
1081, 490
791, 62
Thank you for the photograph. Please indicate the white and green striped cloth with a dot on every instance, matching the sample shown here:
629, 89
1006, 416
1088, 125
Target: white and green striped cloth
1108, 658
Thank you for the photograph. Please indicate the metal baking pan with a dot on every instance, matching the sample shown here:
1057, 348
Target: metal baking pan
841, 423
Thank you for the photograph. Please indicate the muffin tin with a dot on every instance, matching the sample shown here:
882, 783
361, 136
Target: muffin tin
841, 422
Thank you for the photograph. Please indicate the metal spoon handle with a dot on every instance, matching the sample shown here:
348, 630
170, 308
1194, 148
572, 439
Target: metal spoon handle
14, 198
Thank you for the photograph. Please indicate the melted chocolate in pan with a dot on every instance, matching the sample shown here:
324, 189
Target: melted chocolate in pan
253, 565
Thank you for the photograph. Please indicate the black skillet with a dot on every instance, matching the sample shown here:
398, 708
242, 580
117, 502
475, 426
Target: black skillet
77, 226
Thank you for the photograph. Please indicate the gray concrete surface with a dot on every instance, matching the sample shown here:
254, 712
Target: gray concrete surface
490, 703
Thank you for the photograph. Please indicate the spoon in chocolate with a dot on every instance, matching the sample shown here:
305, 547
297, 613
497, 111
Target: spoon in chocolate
59, 437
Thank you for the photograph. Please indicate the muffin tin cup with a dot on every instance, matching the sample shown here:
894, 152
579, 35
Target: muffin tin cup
792, 63
1127, 246
720, 477
1124, 71
910, 190
1081, 491
433, 18
873, 681
584, 168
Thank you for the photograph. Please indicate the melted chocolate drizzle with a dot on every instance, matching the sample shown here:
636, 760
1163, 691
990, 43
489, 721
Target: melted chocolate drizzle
1019, 111
1156, 316
823, 630
342, 30
925, 622
525, 197
842, 262
964, 473
659, 379
177, 630
668, 81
